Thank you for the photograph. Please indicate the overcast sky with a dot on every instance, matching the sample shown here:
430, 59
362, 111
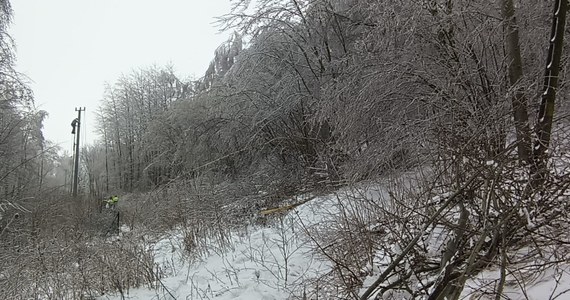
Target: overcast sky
70, 48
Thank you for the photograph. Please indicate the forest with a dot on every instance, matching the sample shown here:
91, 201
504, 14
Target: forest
460, 108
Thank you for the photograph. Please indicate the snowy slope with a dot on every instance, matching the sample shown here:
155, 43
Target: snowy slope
278, 262
552, 284
264, 263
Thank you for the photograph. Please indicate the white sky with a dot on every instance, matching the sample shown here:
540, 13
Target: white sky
70, 48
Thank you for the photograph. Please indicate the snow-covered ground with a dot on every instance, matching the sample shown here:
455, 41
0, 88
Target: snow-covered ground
552, 284
277, 261
265, 263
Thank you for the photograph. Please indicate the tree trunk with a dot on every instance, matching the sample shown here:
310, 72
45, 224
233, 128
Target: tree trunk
519, 101
546, 111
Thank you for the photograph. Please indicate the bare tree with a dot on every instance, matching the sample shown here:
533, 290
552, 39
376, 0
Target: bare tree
128, 110
546, 112
515, 71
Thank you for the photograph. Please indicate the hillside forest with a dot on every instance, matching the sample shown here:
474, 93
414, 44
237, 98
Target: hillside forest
461, 108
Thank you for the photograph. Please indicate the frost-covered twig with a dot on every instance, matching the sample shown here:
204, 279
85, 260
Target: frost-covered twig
372, 288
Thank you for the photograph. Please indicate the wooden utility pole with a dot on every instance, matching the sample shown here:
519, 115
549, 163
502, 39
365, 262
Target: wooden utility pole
76, 129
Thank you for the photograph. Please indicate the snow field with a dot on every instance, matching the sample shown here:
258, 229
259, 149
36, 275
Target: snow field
280, 261
268, 263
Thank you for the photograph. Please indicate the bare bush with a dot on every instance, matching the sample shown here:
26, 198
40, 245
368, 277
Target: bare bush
62, 250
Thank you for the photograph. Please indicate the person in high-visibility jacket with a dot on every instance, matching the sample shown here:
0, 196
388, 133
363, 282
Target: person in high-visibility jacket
112, 201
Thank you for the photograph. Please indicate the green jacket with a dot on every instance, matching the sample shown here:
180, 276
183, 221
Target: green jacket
112, 200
